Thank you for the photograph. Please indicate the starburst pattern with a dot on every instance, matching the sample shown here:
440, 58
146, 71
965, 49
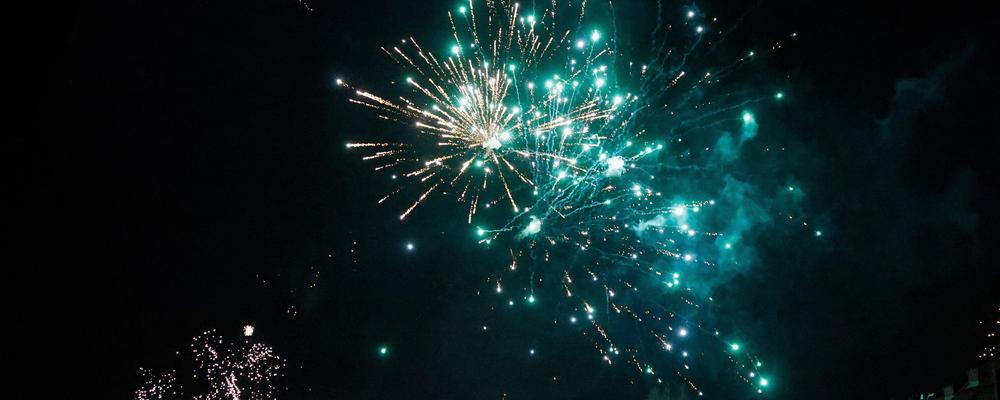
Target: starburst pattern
588, 149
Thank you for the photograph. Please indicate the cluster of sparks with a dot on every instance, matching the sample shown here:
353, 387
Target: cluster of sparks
490, 124
230, 370
990, 344
540, 112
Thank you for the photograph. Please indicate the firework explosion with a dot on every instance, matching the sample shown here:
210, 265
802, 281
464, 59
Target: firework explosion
242, 369
538, 110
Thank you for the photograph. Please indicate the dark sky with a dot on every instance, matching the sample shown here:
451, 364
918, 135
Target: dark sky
221, 185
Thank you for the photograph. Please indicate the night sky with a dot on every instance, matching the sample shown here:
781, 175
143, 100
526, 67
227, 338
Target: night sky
224, 196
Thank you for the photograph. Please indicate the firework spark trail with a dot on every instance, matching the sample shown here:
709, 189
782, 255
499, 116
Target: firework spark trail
540, 116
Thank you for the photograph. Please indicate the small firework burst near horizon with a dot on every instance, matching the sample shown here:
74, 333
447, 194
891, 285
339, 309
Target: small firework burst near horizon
224, 369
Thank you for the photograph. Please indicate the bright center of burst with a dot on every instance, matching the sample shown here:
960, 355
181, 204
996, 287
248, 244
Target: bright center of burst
492, 138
